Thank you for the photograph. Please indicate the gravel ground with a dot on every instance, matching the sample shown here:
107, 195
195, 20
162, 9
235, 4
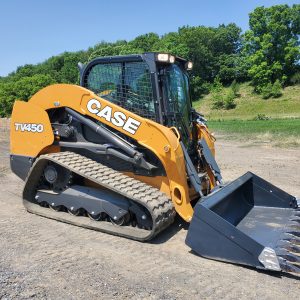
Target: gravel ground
45, 259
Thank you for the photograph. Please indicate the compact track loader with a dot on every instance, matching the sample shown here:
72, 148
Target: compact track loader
124, 152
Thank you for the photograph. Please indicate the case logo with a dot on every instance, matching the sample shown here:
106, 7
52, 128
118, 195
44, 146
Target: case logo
29, 127
117, 118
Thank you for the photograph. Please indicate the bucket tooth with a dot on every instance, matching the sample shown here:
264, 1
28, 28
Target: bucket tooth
295, 234
294, 224
292, 239
295, 242
295, 249
296, 220
288, 267
291, 247
290, 257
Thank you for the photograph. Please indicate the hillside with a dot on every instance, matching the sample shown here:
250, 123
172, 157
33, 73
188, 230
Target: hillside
272, 121
250, 105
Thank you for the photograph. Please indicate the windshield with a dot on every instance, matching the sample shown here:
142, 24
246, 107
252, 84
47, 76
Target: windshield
178, 98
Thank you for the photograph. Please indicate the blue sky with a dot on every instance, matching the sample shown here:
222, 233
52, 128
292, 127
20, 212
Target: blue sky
33, 30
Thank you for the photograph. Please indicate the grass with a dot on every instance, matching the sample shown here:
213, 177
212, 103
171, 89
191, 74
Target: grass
275, 126
276, 132
282, 129
249, 105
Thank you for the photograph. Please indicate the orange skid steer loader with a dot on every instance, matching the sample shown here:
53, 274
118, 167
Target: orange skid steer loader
124, 152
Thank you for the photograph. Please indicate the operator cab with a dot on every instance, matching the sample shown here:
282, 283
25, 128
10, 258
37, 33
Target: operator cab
152, 85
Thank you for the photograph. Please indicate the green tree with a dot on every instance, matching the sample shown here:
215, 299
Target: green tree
217, 92
266, 90
229, 102
7, 98
235, 88
173, 43
21, 89
222, 98
199, 87
146, 42
214, 51
272, 44
276, 89
69, 71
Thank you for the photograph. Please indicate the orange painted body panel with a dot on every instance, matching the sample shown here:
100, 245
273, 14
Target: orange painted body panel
161, 140
24, 138
209, 138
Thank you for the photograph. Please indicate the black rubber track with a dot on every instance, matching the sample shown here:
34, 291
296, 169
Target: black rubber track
157, 203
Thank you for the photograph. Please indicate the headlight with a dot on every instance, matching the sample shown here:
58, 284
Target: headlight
189, 65
172, 59
164, 57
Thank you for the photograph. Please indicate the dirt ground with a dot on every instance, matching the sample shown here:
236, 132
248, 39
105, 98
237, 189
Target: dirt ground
45, 259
